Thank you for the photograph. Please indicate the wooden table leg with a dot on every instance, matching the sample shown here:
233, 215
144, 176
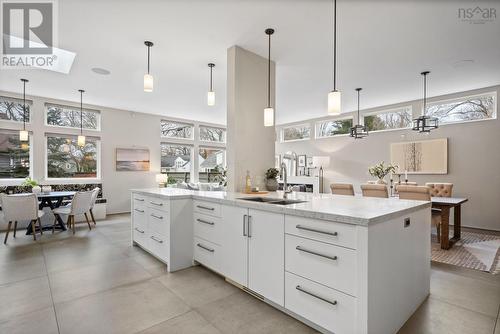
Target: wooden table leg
457, 223
445, 227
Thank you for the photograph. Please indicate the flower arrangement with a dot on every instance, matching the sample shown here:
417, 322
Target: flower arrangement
272, 173
380, 170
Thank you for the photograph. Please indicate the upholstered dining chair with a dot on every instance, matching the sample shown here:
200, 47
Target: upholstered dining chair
95, 193
421, 193
21, 208
342, 189
374, 190
80, 205
440, 189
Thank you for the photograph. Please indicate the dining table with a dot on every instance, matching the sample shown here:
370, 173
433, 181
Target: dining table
445, 204
53, 200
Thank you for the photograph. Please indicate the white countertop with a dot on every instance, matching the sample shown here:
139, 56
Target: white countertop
345, 209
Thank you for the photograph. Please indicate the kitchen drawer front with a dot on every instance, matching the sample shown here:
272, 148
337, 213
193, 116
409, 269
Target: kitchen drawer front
207, 208
330, 232
140, 235
158, 245
159, 221
207, 227
139, 216
158, 204
327, 264
323, 306
139, 199
207, 253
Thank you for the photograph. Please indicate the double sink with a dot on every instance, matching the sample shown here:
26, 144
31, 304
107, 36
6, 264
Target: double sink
267, 200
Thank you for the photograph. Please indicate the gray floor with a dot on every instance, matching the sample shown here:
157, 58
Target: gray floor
95, 282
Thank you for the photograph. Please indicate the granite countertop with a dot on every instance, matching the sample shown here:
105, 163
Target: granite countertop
356, 210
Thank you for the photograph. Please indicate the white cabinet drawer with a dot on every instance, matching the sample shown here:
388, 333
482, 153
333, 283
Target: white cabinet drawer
207, 227
207, 208
207, 253
159, 222
330, 232
139, 216
157, 244
139, 199
158, 204
327, 264
325, 307
139, 235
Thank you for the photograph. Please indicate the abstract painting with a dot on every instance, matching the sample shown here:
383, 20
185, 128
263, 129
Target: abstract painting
421, 157
132, 159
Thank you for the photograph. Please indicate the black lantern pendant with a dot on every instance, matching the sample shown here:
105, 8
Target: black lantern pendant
359, 131
425, 124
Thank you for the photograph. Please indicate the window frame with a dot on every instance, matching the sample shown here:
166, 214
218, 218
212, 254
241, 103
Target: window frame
386, 111
213, 127
46, 110
190, 145
208, 147
18, 181
11, 122
282, 132
162, 137
317, 123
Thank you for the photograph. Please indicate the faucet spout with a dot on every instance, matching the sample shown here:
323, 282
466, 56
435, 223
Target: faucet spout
284, 173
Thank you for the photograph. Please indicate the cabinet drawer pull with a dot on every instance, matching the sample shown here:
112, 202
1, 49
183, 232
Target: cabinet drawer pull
249, 224
140, 231
245, 225
205, 207
334, 258
301, 289
206, 248
205, 221
139, 199
138, 210
157, 217
300, 227
156, 239
155, 203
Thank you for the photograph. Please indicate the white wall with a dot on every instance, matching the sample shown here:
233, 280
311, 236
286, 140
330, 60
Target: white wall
473, 159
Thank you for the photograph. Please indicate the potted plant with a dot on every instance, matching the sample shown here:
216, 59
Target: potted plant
380, 171
271, 179
33, 184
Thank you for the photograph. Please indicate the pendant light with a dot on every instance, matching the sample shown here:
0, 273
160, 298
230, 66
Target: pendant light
269, 111
425, 124
23, 134
81, 137
148, 78
211, 93
359, 131
334, 96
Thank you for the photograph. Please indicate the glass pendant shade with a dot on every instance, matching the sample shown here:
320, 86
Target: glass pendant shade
23, 135
211, 98
148, 83
81, 141
334, 102
268, 116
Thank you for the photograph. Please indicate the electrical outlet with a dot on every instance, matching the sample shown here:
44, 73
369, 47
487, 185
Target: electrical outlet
407, 222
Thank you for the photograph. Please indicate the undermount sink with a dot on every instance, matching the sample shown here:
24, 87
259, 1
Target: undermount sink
277, 201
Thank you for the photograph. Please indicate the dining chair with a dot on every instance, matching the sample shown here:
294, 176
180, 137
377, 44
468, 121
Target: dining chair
80, 205
374, 190
21, 208
440, 189
95, 193
421, 193
342, 189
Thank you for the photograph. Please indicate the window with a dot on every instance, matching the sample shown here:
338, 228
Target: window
332, 128
389, 119
211, 164
65, 159
464, 109
14, 157
208, 133
176, 161
69, 117
176, 130
12, 109
296, 132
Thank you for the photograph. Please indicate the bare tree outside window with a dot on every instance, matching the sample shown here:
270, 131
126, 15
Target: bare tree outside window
12, 109
335, 127
397, 119
14, 157
212, 134
70, 117
176, 130
176, 161
464, 109
65, 159
296, 132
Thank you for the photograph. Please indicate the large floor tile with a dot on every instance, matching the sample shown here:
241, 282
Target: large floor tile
438, 317
127, 309
16, 252
79, 282
197, 286
23, 297
188, 323
19, 270
37, 322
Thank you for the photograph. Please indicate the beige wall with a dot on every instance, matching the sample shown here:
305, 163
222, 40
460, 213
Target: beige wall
473, 160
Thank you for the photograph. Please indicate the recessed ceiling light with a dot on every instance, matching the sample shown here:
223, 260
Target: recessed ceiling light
101, 71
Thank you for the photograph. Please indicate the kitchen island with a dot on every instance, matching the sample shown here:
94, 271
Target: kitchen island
341, 264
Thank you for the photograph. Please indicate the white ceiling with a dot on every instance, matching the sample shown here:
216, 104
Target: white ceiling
383, 46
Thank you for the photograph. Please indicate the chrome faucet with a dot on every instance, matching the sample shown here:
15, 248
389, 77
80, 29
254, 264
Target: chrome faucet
283, 172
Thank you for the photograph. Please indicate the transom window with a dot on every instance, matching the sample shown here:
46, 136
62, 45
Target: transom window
325, 129
69, 117
296, 132
464, 109
212, 134
176, 130
176, 161
11, 109
14, 156
399, 118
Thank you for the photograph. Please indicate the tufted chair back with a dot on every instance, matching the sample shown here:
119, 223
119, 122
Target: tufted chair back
440, 189
419, 193
342, 189
374, 190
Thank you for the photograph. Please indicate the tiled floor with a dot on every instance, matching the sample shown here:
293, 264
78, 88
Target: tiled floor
95, 282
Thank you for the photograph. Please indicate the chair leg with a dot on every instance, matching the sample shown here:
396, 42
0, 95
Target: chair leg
92, 216
40, 224
7, 234
88, 222
438, 229
54, 224
33, 228
15, 228
73, 223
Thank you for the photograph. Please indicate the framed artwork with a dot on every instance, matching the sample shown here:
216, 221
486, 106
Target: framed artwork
421, 157
309, 162
302, 160
132, 159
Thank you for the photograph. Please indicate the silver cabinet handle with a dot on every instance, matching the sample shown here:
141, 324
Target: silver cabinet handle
301, 289
334, 258
245, 225
156, 239
206, 248
141, 211
249, 221
139, 199
155, 203
138, 230
157, 217
205, 207
300, 227
205, 221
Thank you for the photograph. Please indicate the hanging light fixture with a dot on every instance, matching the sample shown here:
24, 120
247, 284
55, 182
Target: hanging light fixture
81, 137
269, 111
148, 78
211, 93
425, 124
23, 134
359, 131
334, 96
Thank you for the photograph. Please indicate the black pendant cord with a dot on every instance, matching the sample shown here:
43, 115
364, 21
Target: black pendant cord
24, 103
81, 111
149, 48
334, 45
358, 89
425, 92
211, 78
269, 74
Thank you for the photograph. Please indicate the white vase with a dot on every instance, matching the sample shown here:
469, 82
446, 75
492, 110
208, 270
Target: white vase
381, 181
36, 189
